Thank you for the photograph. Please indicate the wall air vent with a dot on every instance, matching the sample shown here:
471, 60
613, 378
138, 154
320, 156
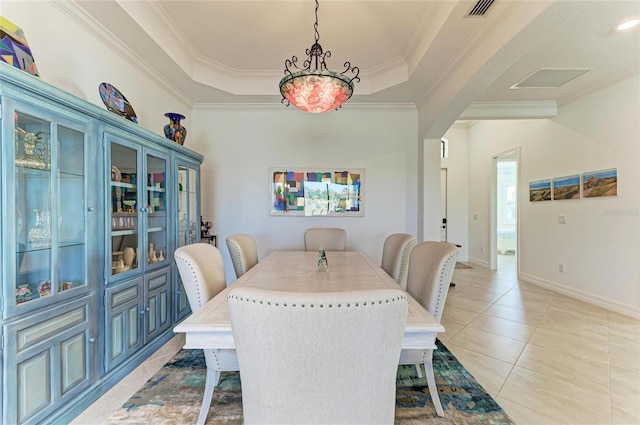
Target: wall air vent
481, 8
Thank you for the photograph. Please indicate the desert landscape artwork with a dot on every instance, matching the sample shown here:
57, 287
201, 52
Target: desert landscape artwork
567, 187
540, 190
600, 183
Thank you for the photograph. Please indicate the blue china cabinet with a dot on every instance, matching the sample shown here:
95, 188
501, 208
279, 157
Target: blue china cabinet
89, 285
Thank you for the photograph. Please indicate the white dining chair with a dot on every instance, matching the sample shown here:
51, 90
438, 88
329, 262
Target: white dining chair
395, 256
329, 238
431, 267
244, 252
202, 272
301, 354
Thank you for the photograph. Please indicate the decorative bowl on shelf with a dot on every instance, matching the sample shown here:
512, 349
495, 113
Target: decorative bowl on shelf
64, 286
23, 294
44, 288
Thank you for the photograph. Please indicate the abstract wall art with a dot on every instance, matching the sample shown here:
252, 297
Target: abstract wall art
310, 192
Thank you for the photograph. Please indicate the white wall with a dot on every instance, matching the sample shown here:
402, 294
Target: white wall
74, 59
457, 165
600, 245
240, 144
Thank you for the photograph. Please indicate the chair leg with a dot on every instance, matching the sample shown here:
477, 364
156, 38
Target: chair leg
431, 381
212, 379
418, 370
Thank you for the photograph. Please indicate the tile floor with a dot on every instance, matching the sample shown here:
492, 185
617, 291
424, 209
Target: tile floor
546, 358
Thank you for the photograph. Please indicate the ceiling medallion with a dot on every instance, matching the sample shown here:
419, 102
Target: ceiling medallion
313, 88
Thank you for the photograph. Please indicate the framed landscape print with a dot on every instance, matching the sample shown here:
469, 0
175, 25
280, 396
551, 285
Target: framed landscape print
312, 192
567, 187
600, 183
540, 190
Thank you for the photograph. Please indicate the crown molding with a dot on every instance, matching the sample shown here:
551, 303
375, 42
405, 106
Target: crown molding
106, 37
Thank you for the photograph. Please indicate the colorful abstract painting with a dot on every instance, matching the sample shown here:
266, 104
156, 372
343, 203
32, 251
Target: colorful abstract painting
14, 48
316, 192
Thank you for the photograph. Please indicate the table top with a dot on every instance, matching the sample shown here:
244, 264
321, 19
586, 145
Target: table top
296, 271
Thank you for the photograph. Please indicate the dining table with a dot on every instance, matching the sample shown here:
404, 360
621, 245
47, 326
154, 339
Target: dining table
297, 271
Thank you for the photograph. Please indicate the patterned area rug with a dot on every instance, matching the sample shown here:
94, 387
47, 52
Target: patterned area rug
173, 396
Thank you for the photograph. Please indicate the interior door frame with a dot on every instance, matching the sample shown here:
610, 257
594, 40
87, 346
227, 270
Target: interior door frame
493, 232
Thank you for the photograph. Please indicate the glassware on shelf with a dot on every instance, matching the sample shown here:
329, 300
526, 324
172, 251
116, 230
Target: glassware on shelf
40, 233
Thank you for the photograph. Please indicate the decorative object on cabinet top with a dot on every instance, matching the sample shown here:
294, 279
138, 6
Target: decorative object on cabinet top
116, 102
14, 48
174, 130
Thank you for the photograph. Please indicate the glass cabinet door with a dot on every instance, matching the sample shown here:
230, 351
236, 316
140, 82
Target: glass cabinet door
156, 210
125, 202
139, 236
50, 208
187, 205
188, 226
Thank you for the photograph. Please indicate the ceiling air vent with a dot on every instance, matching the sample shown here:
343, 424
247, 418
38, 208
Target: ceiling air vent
549, 78
481, 8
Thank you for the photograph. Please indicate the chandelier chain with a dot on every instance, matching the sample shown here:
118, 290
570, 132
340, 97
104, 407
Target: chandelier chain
315, 26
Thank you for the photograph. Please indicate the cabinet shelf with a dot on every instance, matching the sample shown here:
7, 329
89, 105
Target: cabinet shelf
64, 244
122, 232
122, 184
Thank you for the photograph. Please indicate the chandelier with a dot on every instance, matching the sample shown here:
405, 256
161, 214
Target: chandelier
313, 88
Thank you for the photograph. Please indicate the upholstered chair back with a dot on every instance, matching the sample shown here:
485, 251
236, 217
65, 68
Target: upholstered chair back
244, 252
331, 239
202, 272
301, 355
395, 256
431, 268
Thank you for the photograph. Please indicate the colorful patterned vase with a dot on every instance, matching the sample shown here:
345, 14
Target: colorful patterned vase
174, 130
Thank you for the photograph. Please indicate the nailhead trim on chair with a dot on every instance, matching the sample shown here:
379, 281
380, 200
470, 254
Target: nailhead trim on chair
405, 258
398, 298
236, 248
198, 294
441, 287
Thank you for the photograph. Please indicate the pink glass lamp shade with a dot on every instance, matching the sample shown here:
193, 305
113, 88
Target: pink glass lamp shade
316, 91
312, 87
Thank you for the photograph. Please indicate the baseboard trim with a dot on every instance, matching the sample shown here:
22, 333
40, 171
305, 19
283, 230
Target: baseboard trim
606, 303
478, 262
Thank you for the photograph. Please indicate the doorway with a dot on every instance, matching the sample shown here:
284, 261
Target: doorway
504, 211
443, 204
